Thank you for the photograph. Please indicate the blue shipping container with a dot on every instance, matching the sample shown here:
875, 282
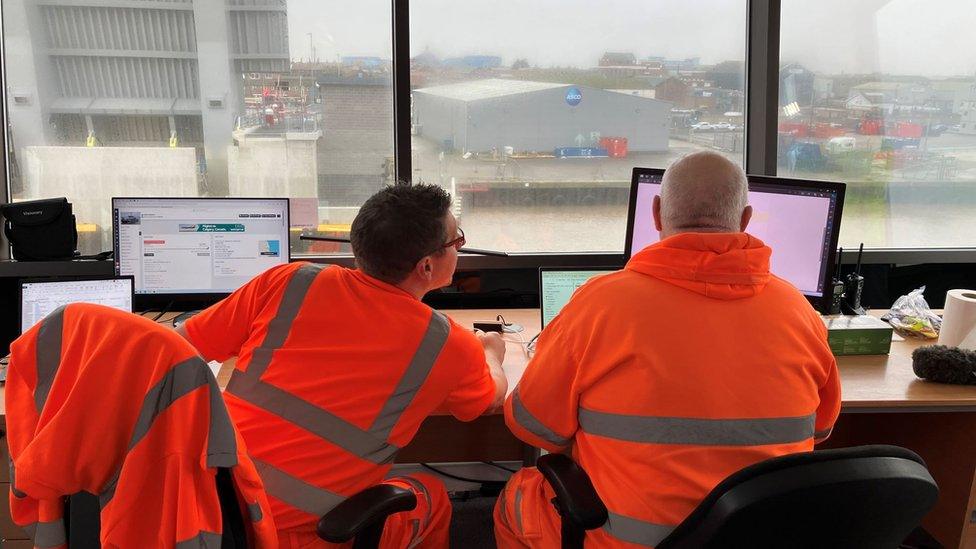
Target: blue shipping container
580, 152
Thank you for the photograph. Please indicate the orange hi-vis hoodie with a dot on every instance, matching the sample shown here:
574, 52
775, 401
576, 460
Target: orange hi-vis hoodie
666, 377
107, 402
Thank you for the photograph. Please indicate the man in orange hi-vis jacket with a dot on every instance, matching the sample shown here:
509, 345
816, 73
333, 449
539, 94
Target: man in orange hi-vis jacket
106, 402
337, 368
666, 377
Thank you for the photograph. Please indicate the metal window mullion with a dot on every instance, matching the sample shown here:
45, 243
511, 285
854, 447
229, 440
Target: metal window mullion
401, 92
762, 85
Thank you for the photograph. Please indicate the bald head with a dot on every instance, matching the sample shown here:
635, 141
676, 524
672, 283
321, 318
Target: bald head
702, 192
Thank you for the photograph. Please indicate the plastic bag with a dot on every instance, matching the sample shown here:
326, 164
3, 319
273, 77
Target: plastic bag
911, 316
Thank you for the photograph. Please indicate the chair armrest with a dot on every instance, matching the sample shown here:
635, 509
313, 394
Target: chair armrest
371, 506
576, 499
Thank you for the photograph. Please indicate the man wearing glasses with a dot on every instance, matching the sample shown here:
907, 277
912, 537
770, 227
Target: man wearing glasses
337, 368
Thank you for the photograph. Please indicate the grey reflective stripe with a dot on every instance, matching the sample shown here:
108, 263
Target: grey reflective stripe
636, 531
822, 434
295, 491
518, 510
48, 355
109, 491
310, 417
419, 487
221, 440
13, 479
695, 431
47, 534
179, 381
280, 325
371, 444
254, 511
414, 377
532, 424
503, 499
415, 526
203, 540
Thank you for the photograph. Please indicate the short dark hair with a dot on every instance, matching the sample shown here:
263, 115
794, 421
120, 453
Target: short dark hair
397, 227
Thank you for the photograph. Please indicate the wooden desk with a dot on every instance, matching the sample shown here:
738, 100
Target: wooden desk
883, 403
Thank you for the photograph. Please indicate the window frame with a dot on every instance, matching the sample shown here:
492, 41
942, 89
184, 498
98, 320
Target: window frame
762, 42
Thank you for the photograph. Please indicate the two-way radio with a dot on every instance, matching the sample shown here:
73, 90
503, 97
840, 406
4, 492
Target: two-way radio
837, 288
854, 286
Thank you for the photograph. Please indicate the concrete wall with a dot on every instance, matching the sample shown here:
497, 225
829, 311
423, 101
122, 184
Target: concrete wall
281, 166
90, 177
543, 120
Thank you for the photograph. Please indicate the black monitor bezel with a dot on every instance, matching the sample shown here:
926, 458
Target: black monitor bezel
609, 269
65, 278
821, 303
196, 300
632, 206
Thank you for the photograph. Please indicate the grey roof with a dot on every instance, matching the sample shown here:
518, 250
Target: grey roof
487, 89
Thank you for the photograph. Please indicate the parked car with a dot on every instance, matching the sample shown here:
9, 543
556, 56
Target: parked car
703, 126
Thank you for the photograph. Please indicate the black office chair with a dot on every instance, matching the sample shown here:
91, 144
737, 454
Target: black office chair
82, 516
362, 516
864, 497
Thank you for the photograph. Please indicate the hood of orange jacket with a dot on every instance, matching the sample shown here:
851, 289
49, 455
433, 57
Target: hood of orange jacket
716, 265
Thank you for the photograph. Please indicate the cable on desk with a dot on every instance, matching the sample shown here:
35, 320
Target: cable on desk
163, 312
500, 466
521, 342
457, 477
508, 327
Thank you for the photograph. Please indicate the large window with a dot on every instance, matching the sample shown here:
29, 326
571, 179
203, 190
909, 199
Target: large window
200, 98
533, 113
882, 96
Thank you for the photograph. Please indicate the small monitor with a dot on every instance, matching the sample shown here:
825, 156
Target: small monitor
798, 219
198, 246
39, 297
557, 284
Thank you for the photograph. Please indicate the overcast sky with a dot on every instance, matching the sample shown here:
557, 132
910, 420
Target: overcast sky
928, 37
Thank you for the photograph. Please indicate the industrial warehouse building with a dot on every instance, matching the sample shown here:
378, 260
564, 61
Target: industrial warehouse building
482, 115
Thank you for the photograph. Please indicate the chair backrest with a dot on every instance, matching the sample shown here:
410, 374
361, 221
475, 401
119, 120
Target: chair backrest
864, 497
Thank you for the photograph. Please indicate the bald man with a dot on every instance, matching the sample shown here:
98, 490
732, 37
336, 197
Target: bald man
666, 377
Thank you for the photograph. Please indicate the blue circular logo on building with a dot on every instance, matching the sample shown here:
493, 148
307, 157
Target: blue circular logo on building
574, 96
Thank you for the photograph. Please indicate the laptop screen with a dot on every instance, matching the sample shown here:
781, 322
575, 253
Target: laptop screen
556, 287
38, 298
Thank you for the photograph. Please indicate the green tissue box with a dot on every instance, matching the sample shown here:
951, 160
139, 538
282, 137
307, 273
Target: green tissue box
858, 335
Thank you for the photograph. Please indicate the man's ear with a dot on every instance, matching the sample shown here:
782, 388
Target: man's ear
744, 220
425, 268
656, 211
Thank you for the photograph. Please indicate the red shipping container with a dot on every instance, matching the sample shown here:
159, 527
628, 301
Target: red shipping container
619, 149
795, 129
826, 131
870, 126
616, 146
907, 129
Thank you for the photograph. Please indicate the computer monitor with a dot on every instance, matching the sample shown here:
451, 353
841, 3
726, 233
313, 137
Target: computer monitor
39, 297
557, 284
198, 246
798, 219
